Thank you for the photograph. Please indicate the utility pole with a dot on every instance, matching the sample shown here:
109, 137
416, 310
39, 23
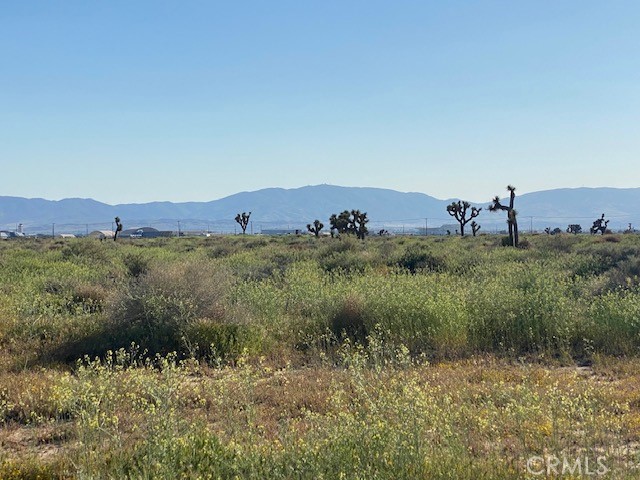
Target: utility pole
251, 227
178, 228
53, 230
426, 227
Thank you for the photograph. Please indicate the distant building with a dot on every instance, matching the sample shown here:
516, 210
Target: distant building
145, 232
5, 234
101, 234
446, 229
281, 231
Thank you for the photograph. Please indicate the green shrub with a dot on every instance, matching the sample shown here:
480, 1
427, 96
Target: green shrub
86, 250
614, 323
217, 340
599, 257
351, 319
347, 262
626, 274
136, 264
425, 313
90, 297
523, 309
417, 257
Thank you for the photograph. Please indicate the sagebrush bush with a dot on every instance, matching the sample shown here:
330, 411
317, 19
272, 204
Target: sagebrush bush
155, 309
351, 319
87, 250
90, 297
136, 264
418, 257
218, 340
356, 262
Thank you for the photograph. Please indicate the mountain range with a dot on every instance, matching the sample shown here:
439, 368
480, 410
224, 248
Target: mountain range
294, 208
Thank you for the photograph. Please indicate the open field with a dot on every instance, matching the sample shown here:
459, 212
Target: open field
297, 357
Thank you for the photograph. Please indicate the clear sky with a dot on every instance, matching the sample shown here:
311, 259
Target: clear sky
135, 101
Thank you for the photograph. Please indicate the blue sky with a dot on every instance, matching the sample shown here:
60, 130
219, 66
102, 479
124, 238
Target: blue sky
136, 101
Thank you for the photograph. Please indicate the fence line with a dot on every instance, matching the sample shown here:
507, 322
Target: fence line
432, 225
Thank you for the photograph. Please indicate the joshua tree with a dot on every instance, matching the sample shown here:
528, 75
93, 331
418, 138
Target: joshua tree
383, 232
574, 228
353, 221
243, 221
316, 227
359, 223
459, 209
118, 229
599, 225
512, 214
340, 223
475, 227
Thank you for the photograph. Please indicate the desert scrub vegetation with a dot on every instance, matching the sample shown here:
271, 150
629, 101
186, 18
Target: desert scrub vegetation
304, 357
124, 417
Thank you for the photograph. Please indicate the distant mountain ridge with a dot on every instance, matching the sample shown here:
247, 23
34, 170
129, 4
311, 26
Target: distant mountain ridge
294, 208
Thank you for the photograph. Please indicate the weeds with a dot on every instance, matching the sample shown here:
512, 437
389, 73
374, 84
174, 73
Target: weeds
317, 358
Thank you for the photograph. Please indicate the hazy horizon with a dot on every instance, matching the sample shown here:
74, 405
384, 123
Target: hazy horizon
502, 194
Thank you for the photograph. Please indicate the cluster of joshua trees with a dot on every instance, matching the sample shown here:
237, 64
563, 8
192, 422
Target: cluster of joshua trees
355, 221
464, 213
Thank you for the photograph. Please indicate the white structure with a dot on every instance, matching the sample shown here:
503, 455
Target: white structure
102, 234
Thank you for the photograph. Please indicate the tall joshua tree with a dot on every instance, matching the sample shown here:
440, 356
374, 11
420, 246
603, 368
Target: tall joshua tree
459, 210
316, 227
118, 228
512, 214
243, 220
599, 225
359, 223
